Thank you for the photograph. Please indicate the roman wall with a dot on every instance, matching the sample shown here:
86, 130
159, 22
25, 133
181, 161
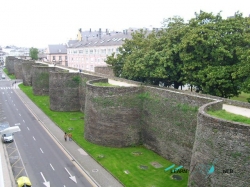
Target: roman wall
224, 145
64, 91
112, 115
82, 88
18, 69
172, 123
105, 70
10, 61
26, 71
40, 79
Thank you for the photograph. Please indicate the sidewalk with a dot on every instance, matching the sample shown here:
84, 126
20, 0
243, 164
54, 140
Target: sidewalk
6, 176
237, 110
91, 168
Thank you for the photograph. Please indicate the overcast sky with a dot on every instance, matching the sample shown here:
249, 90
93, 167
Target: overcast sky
38, 23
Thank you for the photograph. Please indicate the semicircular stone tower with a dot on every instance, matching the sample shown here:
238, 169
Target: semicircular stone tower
221, 152
112, 115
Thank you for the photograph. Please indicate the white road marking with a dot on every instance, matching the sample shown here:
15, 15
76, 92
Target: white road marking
73, 178
23, 121
41, 150
28, 128
46, 183
52, 167
19, 114
34, 138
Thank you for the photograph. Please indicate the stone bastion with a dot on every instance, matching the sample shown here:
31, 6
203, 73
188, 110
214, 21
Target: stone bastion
224, 145
40, 78
112, 114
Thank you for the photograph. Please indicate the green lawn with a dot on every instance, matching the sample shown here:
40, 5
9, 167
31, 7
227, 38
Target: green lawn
115, 160
242, 97
230, 116
11, 76
104, 84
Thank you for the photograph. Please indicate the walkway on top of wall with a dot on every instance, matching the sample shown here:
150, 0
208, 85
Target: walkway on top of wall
237, 110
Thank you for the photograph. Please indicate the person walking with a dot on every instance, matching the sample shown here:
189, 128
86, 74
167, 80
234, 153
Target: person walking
65, 136
70, 136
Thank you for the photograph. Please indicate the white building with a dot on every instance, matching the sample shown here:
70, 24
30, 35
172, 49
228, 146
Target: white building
92, 48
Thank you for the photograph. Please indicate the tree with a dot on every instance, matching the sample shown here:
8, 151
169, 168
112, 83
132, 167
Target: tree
211, 52
34, 53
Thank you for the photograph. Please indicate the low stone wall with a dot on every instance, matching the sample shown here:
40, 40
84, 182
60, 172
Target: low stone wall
64, 91
224, 145
105, 70
112, 115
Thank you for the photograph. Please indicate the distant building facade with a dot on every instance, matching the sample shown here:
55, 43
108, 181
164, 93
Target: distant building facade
93, 47
57, 54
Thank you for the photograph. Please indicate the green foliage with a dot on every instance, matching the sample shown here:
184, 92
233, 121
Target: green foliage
208, 53
112, 159
76, 79
244, 97
34, 53
229, 116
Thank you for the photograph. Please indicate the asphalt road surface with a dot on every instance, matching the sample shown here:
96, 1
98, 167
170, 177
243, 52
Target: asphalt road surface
33, 152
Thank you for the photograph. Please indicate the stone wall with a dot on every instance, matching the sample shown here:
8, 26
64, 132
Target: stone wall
169, 122
10, 61
18, 69
82, 88
64, 91
40, 79
112, 115
26, 71
105, 70
223, 144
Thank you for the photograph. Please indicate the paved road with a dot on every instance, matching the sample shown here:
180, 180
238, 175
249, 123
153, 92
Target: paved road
34, 153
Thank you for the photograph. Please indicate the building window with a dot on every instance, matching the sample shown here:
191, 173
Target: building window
66, 58
80, 51
60, 58
53, 58
86, 51
91, 51
75, 51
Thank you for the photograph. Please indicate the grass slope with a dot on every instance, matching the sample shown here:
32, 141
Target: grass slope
11, 76
115, 160
229, 116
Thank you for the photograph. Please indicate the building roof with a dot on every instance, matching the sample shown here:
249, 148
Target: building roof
57, 49
107, 39
71, 42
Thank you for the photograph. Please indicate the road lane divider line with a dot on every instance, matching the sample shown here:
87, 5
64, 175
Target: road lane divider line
34, 138
41, 150
52, 167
